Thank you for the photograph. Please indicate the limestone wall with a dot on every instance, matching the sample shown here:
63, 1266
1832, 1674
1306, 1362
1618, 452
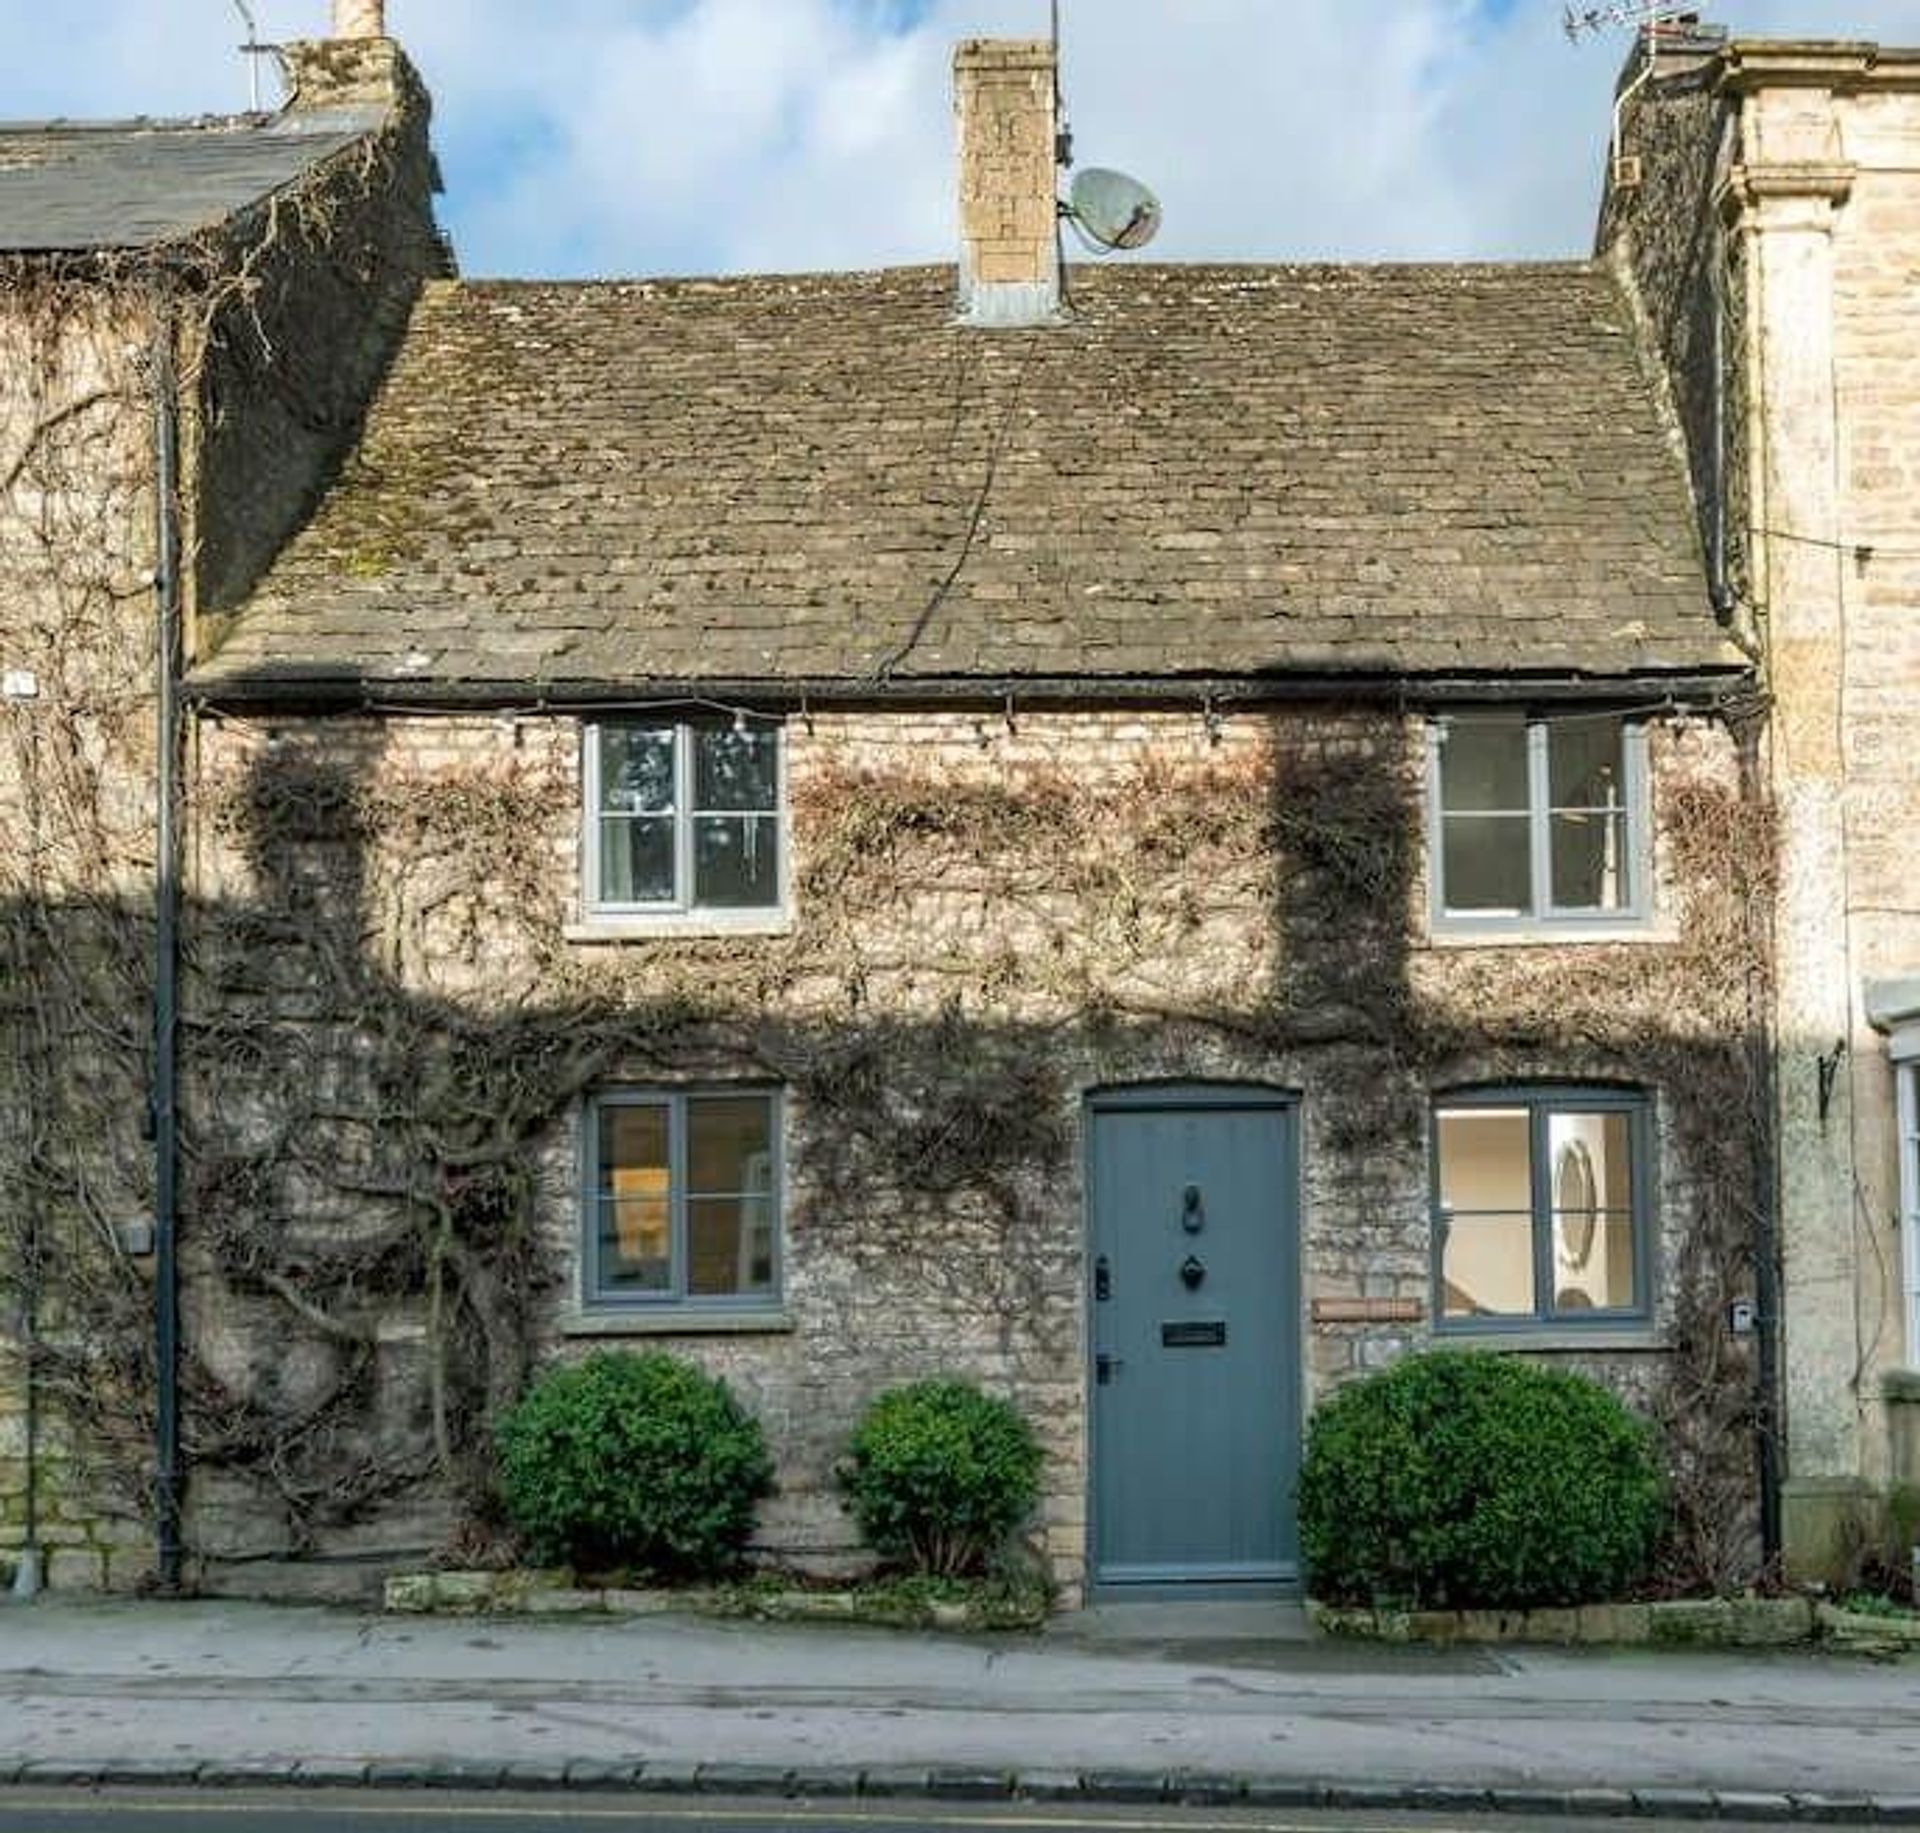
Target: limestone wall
991, 919
1831, 220
1781, 189
76, 610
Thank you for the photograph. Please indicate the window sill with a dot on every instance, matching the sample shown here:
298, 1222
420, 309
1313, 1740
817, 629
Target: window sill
1547, 935
1555, 1339
696, 926
674, 1322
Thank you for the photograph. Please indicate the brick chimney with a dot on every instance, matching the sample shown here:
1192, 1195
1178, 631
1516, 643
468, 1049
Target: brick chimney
359, 18
1004, 96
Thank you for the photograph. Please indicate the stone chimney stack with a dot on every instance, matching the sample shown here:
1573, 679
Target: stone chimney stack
359, 18
1004, 96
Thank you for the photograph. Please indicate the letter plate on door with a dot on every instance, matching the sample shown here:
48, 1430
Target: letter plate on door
1193, 1336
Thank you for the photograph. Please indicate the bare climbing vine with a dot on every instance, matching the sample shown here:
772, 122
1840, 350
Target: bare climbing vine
386, 1032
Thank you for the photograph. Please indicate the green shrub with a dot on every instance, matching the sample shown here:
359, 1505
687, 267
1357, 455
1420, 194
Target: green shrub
1471, 1481
940, 1477
633, 1460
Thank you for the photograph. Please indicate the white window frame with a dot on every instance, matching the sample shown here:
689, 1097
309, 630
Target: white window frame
1542, 915
681, 913
593, 1299
1904, 1048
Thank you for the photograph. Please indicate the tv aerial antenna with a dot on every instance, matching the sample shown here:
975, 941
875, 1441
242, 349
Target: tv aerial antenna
1651, 20
1108, 211
253, 50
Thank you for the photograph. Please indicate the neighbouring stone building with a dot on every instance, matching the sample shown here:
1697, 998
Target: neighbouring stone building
1774, 232
1153, 836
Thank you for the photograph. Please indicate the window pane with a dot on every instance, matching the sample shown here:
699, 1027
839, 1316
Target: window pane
1483, 765
635, 1216
1592, 1151
736, 862
1593, 1260
636, 860
636, 1246
730, 1246
1486, 1266
636, 770
729, 1145
1593, 1197
1590, 862
1584, 763
1486, 864
1485, 1159
736, 771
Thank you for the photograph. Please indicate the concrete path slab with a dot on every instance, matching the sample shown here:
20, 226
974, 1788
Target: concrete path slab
254, 1684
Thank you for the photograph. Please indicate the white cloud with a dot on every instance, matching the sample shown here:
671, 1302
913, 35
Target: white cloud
644, 136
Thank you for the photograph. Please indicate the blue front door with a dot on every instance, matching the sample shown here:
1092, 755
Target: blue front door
1194, 1308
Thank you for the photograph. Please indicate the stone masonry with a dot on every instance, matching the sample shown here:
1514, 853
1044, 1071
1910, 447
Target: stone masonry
940, 963
1782, 178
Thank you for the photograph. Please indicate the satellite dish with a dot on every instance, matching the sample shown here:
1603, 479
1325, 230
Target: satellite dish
1113, 210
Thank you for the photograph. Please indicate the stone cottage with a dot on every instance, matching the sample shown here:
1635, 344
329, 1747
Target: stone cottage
1153, 836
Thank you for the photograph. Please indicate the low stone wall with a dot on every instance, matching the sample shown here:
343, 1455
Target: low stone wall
1742, 1622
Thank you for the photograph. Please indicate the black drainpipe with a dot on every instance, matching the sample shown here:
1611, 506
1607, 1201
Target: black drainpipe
28, 1575
166, 968
1719, 590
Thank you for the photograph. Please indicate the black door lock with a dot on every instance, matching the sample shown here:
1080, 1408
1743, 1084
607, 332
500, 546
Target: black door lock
1102, 1279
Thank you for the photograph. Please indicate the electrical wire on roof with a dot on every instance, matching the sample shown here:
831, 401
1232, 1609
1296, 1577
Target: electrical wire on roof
883, 671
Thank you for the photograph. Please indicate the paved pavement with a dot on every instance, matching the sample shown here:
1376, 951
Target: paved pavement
1110, 1705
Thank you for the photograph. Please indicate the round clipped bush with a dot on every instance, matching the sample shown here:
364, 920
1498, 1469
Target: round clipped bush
940, 1476
633, 1461
1470, 1481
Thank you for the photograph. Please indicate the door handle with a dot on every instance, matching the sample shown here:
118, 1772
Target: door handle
1106, 1366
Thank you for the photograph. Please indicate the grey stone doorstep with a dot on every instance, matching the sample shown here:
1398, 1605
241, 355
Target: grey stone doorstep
1130, 1787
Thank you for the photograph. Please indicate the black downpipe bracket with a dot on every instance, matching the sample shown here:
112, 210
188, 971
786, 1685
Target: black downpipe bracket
166, 965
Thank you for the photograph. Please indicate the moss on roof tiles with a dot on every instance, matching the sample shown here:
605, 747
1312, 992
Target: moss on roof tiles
1228, 469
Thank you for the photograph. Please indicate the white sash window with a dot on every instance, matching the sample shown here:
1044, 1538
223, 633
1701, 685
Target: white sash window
1906, 1070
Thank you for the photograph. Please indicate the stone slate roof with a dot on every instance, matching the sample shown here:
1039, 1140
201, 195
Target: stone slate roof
69, 187
1210, 471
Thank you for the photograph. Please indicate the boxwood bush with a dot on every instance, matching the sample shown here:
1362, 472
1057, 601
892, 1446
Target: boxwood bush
633, 1461
1465, 1480
940, 1476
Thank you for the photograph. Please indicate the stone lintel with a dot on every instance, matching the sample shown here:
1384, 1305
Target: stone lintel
1368, 1311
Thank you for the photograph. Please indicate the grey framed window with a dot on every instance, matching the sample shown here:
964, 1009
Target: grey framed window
685, 817
682, 1198
1536, 821
1541, 1207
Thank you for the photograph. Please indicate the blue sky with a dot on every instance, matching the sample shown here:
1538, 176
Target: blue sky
690, 136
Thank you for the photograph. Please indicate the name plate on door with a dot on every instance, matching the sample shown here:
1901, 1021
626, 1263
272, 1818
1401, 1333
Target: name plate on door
1194, 1336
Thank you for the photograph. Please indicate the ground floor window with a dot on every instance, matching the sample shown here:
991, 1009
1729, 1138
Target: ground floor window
1907, 1071
1540, 1207
682, 1197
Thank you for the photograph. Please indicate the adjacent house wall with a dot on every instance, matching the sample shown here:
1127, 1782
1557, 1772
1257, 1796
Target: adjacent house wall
1817, 199
398, 1020
77, 518
305, 304
277, 326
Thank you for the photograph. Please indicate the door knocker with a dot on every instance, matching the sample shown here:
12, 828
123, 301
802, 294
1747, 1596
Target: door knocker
1193, 1218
